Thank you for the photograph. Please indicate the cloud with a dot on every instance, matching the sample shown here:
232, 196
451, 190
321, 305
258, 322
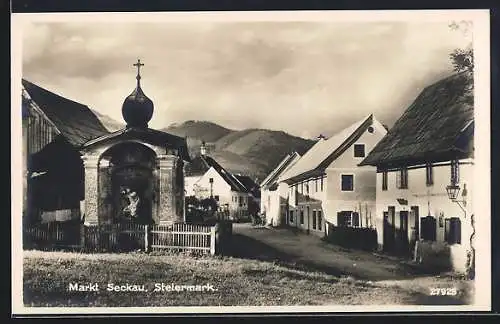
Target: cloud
300, 77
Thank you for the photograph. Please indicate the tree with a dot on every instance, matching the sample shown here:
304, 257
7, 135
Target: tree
463, 58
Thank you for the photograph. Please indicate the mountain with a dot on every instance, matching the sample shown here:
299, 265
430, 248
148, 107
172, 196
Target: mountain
253, 152
208, 131
108, 122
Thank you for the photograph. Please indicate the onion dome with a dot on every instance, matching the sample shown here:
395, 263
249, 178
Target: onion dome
137, 108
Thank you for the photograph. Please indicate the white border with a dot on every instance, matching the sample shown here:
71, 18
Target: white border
482, 198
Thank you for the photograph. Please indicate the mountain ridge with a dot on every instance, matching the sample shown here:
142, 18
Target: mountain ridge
254, 151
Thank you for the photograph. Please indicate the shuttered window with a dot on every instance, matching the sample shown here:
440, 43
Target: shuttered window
320, 220
402, 178
291, 216
429, 176
428, 228
452, 230
314, 219
355, 219
301, 217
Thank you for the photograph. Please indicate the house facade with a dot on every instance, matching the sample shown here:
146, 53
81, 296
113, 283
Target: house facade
426, 157
326, 185
209, 179
274, 193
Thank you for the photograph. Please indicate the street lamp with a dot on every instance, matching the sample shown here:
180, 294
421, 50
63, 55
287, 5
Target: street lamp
453, 192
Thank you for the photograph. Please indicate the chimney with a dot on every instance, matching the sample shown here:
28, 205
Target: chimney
203, 149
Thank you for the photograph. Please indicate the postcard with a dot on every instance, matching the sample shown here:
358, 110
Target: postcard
251, 162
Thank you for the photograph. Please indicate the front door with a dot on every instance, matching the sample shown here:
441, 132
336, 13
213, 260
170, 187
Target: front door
388, 233
403, 240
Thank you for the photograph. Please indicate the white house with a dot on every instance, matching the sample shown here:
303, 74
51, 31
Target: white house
206, 178
326, 184
426, 157
274, 193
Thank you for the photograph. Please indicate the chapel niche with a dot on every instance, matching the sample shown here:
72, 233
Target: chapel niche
128, 185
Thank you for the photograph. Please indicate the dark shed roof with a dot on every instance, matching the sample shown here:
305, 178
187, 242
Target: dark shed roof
437, 126
76, 122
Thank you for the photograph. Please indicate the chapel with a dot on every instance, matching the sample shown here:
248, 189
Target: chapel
135, 174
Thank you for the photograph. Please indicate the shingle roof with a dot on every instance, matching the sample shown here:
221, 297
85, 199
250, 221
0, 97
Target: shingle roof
438, 125
202, 163
325, 151
76, 122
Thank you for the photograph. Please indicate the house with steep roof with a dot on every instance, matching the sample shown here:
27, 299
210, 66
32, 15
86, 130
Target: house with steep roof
206, 178
274, 193
425, 174
54, 128
328, 188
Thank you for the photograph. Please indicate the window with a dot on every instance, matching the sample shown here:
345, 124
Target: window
301, 189
320, 220
307, 187
344, 219
291, 216
315, 185
452, 230
241, 201
359, 150
429, 177
314, 219
384, 180
428, 228
402, 178
301, 217
347, 182
455, 177
321, 184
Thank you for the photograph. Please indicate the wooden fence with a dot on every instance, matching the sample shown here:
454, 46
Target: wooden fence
202, 239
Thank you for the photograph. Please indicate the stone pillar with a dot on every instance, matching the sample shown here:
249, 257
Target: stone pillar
168, 206
90, 163
105, 203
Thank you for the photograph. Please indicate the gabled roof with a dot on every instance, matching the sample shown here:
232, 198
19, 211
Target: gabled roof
202, 163
76, 122
325, 151
252, 187
147, 135
437, 126
272, 178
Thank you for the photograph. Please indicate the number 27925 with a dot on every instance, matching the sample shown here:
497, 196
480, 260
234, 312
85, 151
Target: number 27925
443, 291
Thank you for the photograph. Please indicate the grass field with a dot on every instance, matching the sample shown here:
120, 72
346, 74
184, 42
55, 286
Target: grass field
237, 282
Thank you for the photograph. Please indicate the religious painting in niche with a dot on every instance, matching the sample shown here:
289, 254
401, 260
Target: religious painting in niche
134, 192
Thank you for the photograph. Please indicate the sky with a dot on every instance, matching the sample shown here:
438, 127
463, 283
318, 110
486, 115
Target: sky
305, 78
